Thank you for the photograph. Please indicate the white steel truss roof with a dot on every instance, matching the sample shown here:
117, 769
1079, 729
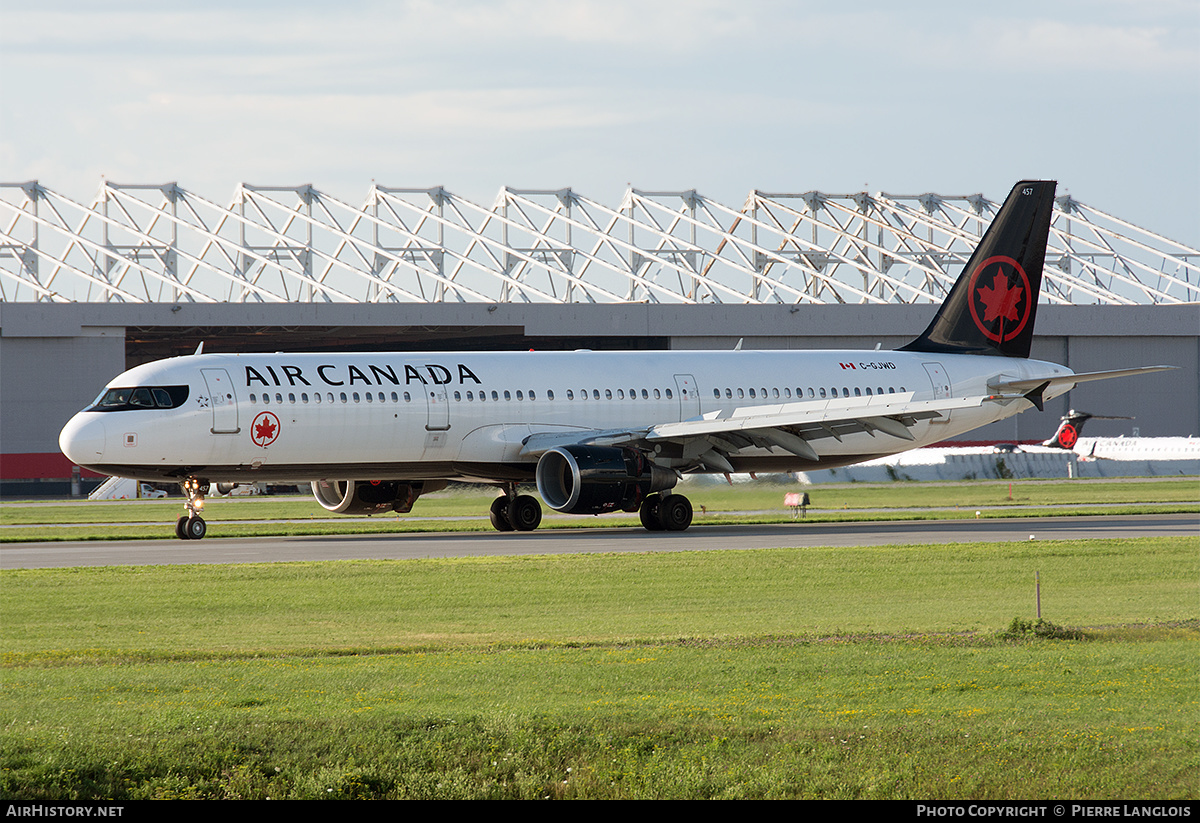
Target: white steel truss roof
162, 243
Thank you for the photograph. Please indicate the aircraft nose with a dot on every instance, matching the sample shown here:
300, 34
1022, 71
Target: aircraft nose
82, 439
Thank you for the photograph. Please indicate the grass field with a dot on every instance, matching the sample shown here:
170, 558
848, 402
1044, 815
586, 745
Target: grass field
887, 672
713, 503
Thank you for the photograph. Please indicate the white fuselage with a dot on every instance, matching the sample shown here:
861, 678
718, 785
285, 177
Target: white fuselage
416, 416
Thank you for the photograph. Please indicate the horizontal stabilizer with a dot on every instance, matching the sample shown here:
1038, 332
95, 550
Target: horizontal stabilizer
1042, 383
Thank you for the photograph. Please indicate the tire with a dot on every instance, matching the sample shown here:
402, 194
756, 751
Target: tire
499, 515
675, 513
524, 513
181, 528
648, 513
196, 528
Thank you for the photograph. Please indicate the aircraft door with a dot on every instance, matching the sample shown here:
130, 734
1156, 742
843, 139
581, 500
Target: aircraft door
438, 407
941, 387
223, 401
689, 396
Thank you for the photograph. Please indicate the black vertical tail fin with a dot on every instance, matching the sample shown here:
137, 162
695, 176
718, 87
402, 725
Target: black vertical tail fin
992, 305
1071, 428
1068, 431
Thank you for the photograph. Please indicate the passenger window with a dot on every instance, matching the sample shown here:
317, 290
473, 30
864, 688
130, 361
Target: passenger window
550, 394
645, 395
570, 394
304, 397
532, 396
595, 394
317, 397
395, 399
741, 394
857, 391
669, 394
657, 396
752, 393
507, 395
458, 397
291, 397
253, 399
278, 397
822, 394
343, 396
728, 394
496, 396
608, 394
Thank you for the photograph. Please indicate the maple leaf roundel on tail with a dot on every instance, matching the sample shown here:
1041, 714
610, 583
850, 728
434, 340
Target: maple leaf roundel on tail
1068, 436
999, 298
264, 429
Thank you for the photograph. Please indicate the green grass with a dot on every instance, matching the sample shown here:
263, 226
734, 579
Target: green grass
713, 503
889, 672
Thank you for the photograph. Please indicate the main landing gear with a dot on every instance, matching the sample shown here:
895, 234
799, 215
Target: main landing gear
665, 512
515, 512
523, 513
192, 526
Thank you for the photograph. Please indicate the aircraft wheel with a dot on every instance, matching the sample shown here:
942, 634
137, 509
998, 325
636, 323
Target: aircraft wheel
181, 527
648, 513
524, 513
499, 515
196, 528
675, 512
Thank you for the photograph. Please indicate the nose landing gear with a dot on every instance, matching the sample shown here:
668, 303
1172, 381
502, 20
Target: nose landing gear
191, 526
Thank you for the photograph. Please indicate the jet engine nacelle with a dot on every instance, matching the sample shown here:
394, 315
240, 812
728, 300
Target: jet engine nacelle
368, 496
595, 479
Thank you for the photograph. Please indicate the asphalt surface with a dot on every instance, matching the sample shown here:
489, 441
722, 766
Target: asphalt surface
798, 534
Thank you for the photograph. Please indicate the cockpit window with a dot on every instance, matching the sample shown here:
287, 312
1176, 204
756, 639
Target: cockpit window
141, 397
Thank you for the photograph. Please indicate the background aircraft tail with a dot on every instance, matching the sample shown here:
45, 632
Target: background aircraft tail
1071, 428
991, 308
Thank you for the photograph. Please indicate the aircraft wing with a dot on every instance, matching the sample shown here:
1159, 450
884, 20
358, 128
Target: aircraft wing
710, 439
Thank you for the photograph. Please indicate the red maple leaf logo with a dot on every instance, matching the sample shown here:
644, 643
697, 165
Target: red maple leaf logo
999, 300
265, 429
1068, 437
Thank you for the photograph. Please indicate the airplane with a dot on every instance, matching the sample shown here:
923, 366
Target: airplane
597, 432
1069, 437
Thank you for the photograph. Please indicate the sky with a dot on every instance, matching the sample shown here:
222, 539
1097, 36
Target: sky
721, 96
